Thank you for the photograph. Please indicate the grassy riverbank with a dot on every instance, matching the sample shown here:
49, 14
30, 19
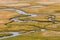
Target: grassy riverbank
34, 36
6, 34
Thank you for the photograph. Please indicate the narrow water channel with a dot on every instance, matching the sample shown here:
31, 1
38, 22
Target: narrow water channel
15, 19
15, 34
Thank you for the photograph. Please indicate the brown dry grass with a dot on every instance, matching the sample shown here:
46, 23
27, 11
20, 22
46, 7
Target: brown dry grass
47, 9
51, 33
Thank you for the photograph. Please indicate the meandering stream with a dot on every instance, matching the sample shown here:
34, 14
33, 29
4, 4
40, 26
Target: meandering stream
16, 34
15, 19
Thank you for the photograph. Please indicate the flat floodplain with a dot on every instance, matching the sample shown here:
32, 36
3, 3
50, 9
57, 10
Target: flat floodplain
29, 20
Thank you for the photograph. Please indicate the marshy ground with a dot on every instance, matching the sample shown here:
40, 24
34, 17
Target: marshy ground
31, 20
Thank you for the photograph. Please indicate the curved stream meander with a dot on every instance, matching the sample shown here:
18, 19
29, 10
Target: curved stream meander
16, 19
